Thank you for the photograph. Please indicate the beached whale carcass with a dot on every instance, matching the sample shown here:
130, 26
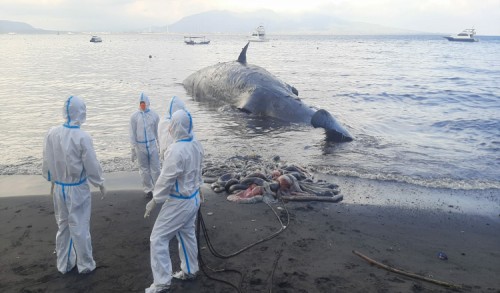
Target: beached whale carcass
255, 90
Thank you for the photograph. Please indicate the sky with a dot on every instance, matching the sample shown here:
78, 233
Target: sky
434, 16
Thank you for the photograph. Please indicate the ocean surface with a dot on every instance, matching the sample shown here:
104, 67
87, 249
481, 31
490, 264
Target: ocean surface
423, 110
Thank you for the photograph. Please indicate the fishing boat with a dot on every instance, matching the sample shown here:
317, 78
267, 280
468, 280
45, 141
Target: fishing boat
95, 39
258, 35
196, 40
467, 35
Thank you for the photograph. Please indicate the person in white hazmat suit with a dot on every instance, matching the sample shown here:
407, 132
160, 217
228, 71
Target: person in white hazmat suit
144, 144
69, 163
164, 137
178, 190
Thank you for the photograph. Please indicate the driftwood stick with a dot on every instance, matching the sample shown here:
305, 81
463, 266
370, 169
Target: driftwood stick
335, 198
411, 275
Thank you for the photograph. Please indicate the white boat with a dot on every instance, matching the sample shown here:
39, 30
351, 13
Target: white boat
467, 35
96, 39
258, 35
194, 40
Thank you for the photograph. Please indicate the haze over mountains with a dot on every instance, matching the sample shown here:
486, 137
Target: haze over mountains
222, 21
7, 26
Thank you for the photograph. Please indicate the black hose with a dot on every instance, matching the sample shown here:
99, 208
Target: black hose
200, 226
202, 263
215, 253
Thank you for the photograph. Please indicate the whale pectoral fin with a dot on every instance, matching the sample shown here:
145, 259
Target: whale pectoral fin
248, 102
292, 89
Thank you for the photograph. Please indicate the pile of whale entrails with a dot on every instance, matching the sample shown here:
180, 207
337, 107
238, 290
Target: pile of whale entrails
249, 179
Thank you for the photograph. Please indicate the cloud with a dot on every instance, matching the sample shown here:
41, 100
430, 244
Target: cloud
123, 15
422, 15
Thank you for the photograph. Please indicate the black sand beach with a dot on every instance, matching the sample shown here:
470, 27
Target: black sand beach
313, 254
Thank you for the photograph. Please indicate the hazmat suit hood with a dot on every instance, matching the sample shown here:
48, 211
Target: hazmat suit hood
175, 104
74, 112
181, 126
165, 138
144, 98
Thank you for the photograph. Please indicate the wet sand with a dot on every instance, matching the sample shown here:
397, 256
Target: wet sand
399, 225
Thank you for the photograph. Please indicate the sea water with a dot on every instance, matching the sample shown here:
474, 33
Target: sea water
422, 109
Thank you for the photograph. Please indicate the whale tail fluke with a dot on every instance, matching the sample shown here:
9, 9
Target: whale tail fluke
334, 131
243, 55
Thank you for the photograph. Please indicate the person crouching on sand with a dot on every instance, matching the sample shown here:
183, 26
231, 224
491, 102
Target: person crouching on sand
178, 189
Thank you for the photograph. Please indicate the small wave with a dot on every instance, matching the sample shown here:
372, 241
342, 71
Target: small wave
21, 169
28, 166
447, 183
488, 126
34, 167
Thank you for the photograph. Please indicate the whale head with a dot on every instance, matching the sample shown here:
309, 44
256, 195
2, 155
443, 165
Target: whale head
334, 130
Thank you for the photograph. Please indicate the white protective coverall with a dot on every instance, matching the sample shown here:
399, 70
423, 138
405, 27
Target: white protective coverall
144, 140
164, 137
69, 162
178, 189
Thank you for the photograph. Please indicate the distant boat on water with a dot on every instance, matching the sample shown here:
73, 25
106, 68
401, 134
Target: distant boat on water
196, 40
95, 39
258, 35
467, 35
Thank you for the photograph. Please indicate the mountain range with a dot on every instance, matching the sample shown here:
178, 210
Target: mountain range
7, 26
223, 21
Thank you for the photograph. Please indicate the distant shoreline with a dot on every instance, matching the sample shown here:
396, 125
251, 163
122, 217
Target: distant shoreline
271, 36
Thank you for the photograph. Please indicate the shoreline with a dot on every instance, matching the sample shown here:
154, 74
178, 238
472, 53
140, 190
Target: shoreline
25, 185
482, 202
313, 254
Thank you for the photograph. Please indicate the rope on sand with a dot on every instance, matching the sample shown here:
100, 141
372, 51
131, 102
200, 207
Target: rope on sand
411, 275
